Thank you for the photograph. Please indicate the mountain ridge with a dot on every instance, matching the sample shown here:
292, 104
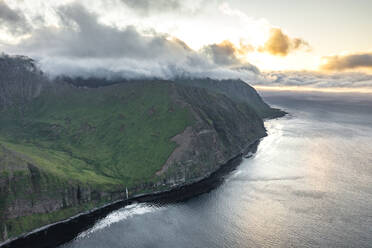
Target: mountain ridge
66, 147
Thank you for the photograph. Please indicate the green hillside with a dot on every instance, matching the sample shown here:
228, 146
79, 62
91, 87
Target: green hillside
68, 145
109, 138
117, 132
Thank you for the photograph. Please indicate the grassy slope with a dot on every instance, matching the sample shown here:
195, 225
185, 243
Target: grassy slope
107, 137
119, 133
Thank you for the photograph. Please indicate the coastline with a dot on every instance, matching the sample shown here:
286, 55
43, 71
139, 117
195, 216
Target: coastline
61, 232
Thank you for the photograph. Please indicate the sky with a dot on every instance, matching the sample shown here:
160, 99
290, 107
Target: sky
321, 44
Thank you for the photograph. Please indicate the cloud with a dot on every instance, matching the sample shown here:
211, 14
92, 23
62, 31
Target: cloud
248, 68
280, 44
147, 6
82, 46
226, 53
317, 80
82, 36
347, 62
12, 21
189, 67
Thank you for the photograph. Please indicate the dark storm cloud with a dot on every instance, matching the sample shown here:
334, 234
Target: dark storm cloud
83, 36
345, 62
280, 44
12, 21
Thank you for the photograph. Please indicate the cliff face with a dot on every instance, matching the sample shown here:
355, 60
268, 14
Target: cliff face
222, 129
237, 90
65, 149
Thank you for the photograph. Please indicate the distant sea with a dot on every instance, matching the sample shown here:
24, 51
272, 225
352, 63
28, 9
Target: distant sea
308, 185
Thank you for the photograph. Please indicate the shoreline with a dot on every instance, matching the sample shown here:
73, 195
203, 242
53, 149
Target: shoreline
61, 232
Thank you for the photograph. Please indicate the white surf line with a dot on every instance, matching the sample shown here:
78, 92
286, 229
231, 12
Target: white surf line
119, 215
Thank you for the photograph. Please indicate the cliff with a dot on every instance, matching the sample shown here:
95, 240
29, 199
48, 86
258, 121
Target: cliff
67, 146
237, 90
